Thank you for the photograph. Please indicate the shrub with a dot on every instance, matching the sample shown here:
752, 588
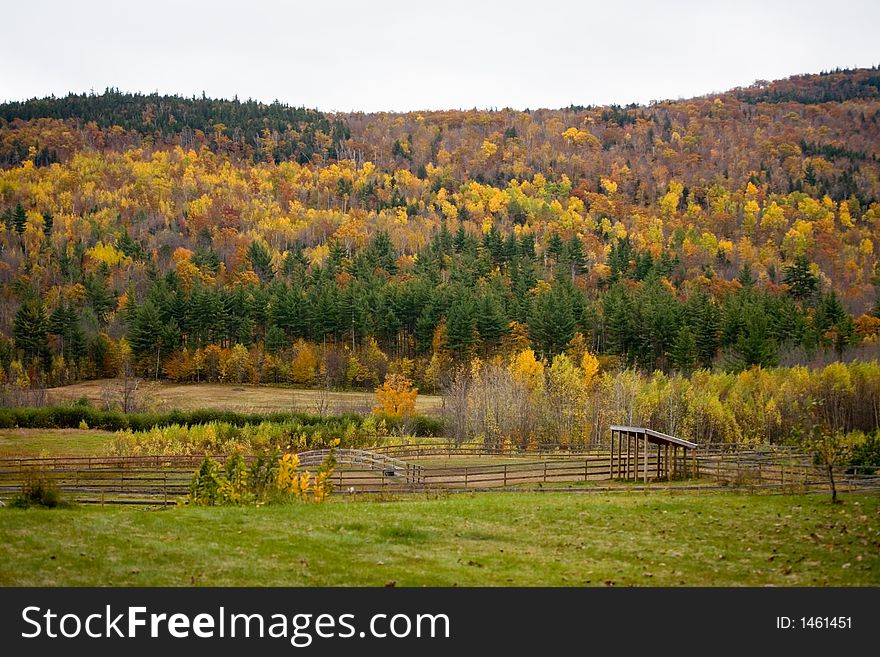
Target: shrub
865, 455
205, 486
269, 478
38, 489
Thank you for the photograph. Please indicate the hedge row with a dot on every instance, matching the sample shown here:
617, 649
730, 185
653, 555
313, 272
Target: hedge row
65, 417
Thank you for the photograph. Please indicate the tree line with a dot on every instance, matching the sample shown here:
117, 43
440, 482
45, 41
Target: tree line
349, 322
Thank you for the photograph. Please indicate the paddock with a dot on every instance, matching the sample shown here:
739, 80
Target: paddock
421, 468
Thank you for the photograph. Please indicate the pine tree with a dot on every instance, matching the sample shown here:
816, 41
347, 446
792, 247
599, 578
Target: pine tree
380, 253
261, 261
30, 330
620, 321
19, 218
63, 323
491, 320
460, 239
461, 324
745, 277
145, 333
275, 339
801, 281
684, 350
619, 259
527, 246
553, 322
754, 345
706, 319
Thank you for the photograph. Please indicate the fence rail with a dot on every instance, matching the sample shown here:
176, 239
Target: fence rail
165, 479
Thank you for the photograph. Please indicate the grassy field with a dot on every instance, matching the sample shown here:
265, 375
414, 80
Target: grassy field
53, 442
242, 398
464, 540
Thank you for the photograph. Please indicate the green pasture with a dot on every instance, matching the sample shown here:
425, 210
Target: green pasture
486, 539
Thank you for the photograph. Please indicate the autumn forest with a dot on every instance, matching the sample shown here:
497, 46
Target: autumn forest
195, 239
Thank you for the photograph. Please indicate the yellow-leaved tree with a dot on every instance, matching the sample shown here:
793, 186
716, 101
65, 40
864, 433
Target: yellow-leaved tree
396, 398
590, 366
525, 367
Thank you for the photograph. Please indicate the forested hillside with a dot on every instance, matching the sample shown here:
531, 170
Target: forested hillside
200, 239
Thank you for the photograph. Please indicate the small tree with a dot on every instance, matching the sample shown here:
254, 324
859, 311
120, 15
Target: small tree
396, 398
828, 449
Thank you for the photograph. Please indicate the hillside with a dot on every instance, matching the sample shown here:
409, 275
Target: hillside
200, 239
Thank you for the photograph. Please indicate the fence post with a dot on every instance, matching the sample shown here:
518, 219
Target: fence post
586, 468
545, 472
165, 489
505, 475
465, 476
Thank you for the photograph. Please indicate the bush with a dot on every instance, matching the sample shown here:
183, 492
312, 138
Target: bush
38, 489
268, 479
416, 425
865, 456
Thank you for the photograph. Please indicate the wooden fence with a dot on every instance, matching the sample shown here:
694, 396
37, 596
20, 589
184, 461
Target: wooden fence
166, 479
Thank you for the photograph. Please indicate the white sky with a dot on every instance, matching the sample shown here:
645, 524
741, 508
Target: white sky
406, 55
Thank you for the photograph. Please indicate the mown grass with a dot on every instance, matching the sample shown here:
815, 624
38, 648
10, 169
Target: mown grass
54, 442
622, 539
244, 398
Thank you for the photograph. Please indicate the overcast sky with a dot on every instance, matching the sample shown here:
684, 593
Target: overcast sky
406, 55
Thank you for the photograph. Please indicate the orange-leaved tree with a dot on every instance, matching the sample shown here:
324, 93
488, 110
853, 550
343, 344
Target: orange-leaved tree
396, 398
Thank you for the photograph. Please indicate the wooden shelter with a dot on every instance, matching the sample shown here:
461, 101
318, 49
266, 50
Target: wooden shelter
630, 454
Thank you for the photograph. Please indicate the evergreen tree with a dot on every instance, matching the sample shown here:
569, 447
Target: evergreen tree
287, 310
295, 262
63, 323
745, 277
261, 261
460, 239
275, 339
706, 326
491, 320
754, 344
802, 283
555, 247
684, 350
656, 325
832, 325
48, 223
99, 295
620, 321
19, 219
461, 324
380, 253
527, 246
493, 244
553, 321
30, 330
619, 258
644, 265
145, 333
511, 248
